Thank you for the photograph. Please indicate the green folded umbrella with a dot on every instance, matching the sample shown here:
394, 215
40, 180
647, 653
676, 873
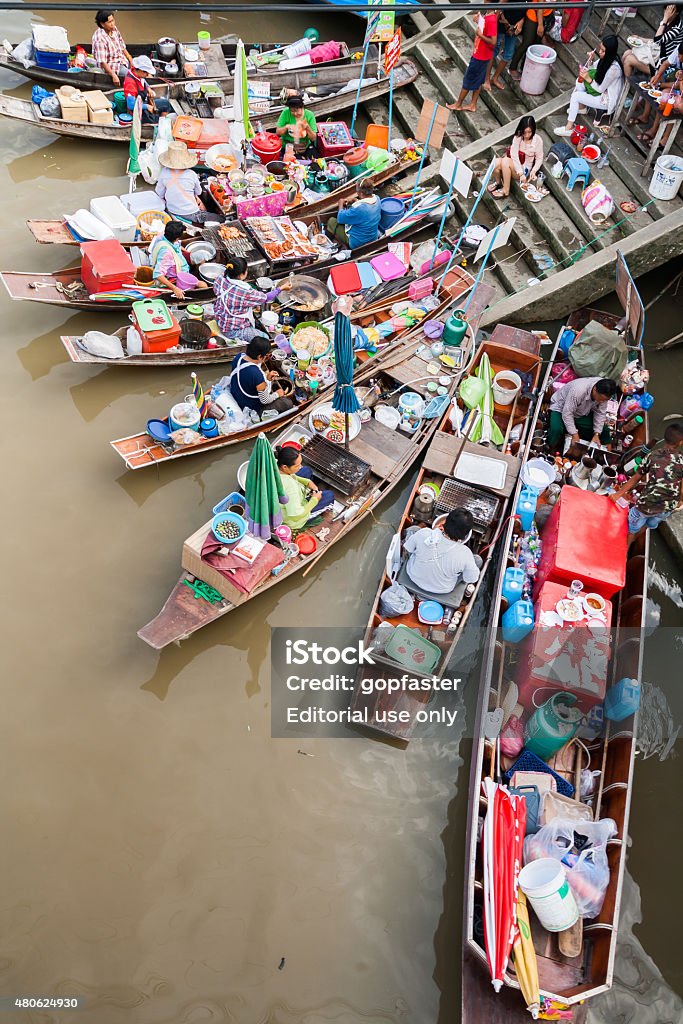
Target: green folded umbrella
485, 429
263, 491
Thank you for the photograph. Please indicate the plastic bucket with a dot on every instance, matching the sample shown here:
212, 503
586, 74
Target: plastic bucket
204, 40
506, 386
667, 177
266, 147
392, 211
184, 415
388, 416
537, 67
545, 884
538, 474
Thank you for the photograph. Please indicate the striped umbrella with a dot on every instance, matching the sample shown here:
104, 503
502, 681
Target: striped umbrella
199, 396
345, 398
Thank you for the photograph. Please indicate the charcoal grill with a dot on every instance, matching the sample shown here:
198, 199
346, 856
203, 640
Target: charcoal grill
331, 463
454, 494
237, 247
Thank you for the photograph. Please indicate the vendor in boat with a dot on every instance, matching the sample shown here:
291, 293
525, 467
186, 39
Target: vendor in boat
439, 558
297, 126
109, 48
251, 386
579, 409
178, 185
304, 498
658, 483
171, 269
135, 84
361, 217
236, 301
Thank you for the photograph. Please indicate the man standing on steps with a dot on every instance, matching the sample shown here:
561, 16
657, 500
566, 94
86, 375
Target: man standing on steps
485, 38
510, 24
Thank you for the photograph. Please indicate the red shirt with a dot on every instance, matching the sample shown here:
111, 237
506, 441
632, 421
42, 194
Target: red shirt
134, 87
482, 50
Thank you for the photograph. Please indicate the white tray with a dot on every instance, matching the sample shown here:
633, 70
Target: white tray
480, 469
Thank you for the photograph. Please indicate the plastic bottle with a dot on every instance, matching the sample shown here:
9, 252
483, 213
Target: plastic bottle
518, 621
622, 699
632, 423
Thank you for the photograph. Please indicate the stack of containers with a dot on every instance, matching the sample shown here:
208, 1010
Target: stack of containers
51, 47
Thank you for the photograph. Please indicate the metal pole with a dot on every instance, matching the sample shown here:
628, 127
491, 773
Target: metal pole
445, 211
480, 273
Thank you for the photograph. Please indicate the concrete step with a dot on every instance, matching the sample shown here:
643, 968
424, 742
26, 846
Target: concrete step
443, 79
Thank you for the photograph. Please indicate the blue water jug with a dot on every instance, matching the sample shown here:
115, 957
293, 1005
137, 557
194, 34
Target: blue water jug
567, 339
526, 507
513, 583
646, 401
518, 621
622, 699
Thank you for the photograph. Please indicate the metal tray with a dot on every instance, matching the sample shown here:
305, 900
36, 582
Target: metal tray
481, 470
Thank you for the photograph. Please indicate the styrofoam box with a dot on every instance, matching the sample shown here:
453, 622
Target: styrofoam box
140, 201
111, 211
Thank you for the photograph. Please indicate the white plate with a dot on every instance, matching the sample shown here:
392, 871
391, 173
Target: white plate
326, 410
480, 469
569, 611
634, 41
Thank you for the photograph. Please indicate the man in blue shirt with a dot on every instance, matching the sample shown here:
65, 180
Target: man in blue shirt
361, 218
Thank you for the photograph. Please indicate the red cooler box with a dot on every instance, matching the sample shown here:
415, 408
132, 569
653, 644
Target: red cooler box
156, 325
585, 538
568, 658
105, 266
334, 138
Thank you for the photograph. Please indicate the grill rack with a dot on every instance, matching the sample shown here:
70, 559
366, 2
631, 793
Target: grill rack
337, 467
454, 494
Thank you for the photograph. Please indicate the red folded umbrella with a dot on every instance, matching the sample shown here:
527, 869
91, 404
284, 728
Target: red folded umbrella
502, 842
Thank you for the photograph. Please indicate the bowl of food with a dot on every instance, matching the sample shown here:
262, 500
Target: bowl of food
654, 93
220, 158
313, 337
594, 604
228, 527
569, 611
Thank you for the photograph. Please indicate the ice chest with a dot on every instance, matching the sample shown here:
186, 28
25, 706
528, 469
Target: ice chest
345, 279
334, 138
214, 131
99, 108
105, 266
156, 325
72, 102
421, 289
595, 553
111, 211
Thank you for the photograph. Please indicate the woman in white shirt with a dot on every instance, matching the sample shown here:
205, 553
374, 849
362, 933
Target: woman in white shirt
522, 161
605, 85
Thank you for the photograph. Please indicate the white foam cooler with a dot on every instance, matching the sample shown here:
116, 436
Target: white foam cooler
111, 211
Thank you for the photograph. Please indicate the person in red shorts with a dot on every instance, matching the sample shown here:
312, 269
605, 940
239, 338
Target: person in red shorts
485, 38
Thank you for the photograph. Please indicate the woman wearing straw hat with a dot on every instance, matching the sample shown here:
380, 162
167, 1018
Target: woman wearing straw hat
178, 185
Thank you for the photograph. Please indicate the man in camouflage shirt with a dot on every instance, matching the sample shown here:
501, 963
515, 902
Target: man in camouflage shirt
659, 483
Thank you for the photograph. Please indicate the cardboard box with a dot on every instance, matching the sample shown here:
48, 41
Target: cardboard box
99, 108
191, 561
74, 107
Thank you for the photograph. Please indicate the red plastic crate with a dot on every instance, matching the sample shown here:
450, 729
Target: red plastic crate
585, 538
105, 266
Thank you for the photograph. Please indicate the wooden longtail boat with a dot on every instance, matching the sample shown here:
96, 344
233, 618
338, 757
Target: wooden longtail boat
56, 232
404, 73
570, 981
456, 467
220, 61
139, 450
177, 357
376, 462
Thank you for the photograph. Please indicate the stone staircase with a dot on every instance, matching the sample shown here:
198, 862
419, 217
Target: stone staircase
558, 228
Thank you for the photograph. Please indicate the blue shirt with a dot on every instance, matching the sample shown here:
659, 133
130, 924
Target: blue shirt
243, 384
363, 221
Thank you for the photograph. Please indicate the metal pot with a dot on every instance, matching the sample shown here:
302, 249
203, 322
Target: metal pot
211, 271
201, 251
167, 48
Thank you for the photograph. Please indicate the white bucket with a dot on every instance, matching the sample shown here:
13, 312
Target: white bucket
506, 386
538, 64
545, 884
667, 177
538, 474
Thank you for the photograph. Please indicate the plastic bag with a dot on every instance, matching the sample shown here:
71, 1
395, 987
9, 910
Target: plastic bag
381, 636
133, 342
24, 52
150, 168
396, 600
107, 346
38, 94
598, 352
234, 418
581, 847
51, 107
512, 737
555, 30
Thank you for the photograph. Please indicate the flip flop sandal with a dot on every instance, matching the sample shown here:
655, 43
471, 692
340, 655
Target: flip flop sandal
493, 188
499, 194
644, 137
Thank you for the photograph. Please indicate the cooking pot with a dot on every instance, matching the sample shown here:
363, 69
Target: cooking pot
167, 48
211, 271
278, 168
200, 251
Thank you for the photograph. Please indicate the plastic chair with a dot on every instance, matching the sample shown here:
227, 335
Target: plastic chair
377, 135
577, 169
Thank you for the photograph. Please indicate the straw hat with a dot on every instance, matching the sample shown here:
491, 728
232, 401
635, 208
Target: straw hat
177, 157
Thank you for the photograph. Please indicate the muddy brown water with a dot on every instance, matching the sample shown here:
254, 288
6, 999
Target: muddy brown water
161, 852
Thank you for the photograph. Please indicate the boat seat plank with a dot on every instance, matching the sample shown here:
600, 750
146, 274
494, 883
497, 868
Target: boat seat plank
216, 64
409, 371
48, 231
380, 447
444, 449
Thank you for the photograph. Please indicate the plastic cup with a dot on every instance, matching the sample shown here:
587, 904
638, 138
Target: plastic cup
303, 358
313, 386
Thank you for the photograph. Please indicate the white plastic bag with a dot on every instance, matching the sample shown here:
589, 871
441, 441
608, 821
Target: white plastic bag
234, 417
106, 346
24, 52
581, 847
396, 600
150, 168
133, 342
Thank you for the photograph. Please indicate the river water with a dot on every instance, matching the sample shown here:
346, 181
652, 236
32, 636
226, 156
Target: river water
162, 854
